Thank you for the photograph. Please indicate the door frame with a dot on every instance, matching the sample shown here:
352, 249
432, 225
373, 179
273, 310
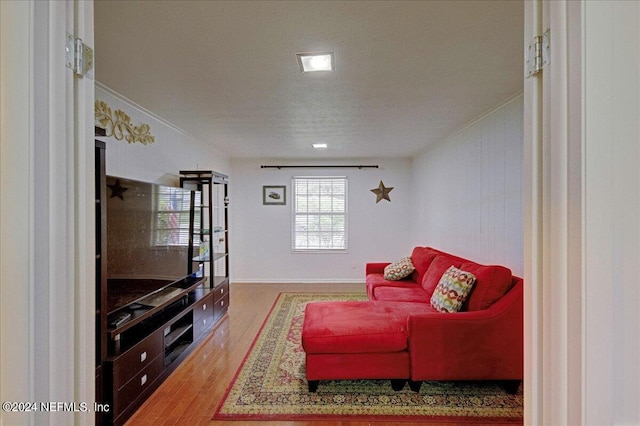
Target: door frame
47, 296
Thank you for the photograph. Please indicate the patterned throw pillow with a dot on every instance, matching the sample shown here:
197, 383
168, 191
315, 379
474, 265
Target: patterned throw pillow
453, 288
399, 270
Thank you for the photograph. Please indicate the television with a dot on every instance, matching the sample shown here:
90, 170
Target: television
148, 240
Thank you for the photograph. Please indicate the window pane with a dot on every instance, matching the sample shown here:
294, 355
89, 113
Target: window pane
172, 216
320, 208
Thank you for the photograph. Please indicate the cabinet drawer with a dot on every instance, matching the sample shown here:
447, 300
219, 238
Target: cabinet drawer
139, 384
203, 308
220, 307
138, 357
203, 323
220, 292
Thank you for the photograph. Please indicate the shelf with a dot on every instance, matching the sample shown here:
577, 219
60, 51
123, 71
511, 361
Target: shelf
175, 353
140, 311
162, 296
216, 256
176, 334
208, 231
218, 280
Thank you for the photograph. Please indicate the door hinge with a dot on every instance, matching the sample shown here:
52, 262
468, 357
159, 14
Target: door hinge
79, 56
537, 55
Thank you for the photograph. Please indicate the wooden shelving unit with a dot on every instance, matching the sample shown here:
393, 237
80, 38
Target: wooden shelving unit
209, 229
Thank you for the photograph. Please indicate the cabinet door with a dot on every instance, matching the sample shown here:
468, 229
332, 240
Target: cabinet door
220, 244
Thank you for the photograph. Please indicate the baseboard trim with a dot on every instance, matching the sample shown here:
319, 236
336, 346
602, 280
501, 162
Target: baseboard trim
298, 281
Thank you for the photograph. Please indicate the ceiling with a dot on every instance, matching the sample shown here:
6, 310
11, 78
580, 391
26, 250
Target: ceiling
407, 75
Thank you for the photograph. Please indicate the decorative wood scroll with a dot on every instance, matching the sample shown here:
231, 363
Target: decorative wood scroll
118, 123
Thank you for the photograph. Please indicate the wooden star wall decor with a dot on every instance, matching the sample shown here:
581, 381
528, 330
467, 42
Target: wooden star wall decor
382, 192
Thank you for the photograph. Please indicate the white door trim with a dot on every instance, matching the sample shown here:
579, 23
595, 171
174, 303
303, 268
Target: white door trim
554, 219
47, 290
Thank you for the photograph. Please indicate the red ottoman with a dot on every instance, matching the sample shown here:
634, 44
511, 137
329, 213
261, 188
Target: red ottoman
349, 340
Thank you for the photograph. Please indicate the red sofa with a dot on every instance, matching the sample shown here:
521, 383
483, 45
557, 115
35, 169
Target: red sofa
398, 335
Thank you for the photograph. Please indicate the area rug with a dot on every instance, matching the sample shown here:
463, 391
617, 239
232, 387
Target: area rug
270, 384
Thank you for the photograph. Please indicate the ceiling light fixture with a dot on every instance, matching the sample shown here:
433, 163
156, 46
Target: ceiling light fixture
319, 145
321, 61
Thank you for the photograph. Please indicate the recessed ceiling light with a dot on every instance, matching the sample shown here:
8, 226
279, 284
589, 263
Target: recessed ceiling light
319, 145
321, 61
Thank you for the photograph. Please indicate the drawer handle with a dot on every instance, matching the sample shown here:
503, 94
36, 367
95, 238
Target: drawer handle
143, 380
222, 303
143, 356
222, 291
204, 322
204, 306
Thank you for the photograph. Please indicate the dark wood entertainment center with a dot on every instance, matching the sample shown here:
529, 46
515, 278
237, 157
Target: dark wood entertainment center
141, 342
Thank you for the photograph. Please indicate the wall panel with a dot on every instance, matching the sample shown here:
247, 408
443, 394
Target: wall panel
261, 235
161, 161
469, 190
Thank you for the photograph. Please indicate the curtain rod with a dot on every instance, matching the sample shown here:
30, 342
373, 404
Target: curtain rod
356, 166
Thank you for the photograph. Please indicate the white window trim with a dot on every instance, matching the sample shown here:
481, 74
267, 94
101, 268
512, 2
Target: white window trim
293, 218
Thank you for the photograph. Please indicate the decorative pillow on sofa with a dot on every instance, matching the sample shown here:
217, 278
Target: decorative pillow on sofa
452, 290
399, 270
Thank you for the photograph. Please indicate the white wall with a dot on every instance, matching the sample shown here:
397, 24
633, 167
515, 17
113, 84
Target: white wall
467, 190
260, 236
161, 161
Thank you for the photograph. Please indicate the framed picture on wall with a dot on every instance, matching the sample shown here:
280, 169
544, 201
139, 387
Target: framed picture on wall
273, 195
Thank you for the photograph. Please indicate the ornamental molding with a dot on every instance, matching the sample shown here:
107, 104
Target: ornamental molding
118, 124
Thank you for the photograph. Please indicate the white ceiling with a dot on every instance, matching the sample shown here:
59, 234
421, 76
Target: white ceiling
408, 74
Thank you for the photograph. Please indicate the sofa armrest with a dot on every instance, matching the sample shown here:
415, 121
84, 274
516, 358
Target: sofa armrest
486, 344
375, 267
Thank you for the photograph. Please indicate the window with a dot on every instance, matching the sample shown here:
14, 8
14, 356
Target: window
172, 207
319, 213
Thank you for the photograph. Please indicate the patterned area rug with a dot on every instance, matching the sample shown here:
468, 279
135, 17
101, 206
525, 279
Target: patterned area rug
270, 384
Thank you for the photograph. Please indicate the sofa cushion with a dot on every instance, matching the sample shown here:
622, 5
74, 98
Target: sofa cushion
354, 327
452, 290
374, 281
492, 282
421, 258
399, 269
413, 293
437, 268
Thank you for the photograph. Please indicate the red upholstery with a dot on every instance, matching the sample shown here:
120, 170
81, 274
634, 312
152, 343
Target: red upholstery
354, 327
375, 280
484, 344
438, 267
492, 282
389, 365
408, 293
422, 258
397, 334
358, 339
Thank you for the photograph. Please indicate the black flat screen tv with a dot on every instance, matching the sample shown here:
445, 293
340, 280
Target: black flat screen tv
147, 238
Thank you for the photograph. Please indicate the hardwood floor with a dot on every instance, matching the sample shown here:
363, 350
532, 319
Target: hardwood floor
192, 393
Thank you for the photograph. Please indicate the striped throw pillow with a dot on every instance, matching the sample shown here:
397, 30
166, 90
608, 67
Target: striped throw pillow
452, 290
